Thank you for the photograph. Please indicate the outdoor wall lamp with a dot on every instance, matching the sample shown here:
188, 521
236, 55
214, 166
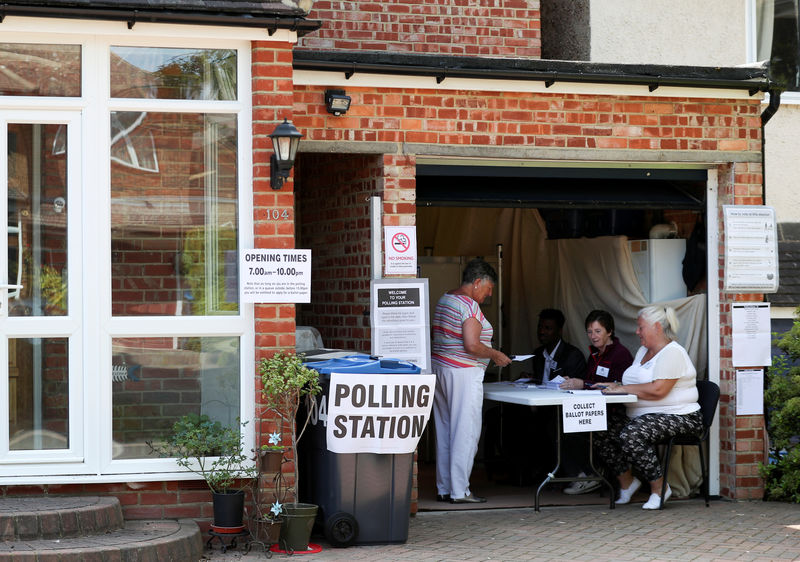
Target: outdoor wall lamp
337, 102
285, 139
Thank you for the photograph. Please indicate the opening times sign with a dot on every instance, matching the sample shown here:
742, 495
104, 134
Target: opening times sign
275, 276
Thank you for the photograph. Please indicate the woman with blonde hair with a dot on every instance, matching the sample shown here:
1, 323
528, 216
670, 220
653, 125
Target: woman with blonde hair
664, 381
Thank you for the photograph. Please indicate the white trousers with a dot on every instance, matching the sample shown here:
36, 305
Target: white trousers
457, 408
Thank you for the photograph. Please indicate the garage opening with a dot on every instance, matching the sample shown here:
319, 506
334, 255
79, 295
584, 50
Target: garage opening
575, 238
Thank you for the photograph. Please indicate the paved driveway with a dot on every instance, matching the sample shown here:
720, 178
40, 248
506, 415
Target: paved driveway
685, 530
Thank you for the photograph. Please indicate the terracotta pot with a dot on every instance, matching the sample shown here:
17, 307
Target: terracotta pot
271, 460
267, 531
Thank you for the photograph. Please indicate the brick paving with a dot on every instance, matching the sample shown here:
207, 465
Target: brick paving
684, 530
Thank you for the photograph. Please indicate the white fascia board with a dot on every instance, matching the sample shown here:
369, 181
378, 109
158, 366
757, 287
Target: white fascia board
366, 80
66, 27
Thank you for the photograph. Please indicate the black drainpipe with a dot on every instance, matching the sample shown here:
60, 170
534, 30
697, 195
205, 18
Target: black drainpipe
766, 115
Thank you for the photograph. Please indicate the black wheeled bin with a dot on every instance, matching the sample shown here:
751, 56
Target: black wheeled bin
363, 498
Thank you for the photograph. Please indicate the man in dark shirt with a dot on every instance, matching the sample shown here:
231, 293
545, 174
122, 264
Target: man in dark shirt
555, 356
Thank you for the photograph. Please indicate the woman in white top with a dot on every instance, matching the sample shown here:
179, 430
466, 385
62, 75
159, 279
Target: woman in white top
664, 380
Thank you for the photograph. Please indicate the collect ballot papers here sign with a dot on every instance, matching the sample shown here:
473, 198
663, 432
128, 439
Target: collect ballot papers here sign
377, 413
584, 413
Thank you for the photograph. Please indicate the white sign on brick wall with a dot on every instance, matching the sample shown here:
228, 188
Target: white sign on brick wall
275, 276
401, 249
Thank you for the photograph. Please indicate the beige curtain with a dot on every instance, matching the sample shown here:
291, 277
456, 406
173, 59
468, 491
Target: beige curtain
573, 275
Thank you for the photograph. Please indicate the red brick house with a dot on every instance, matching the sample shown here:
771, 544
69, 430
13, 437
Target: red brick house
139, 164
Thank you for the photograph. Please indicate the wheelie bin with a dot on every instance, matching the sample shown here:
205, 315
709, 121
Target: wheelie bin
363, 498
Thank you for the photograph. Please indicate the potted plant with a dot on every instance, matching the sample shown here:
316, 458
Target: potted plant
285, 381
271, 453
215, 452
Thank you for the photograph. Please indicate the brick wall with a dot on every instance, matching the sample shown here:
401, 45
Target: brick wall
334, 222
532, 120
489, 28
273, 220
742, 438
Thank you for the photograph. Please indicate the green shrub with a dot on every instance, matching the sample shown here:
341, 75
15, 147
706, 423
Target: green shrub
782, 401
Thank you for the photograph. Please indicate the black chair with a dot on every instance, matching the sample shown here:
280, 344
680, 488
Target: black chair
708, 397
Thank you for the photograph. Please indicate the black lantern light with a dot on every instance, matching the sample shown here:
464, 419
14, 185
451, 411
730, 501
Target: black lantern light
285, 139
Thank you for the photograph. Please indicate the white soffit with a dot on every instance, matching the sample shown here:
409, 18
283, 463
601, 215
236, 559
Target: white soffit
56, 26
368, 80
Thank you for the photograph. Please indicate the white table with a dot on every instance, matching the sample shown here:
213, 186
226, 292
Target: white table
531, 395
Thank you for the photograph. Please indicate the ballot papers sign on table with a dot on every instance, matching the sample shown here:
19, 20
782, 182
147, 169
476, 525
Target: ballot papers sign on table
584, 411
371, 413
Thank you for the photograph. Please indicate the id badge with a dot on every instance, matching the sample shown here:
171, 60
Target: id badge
602, 371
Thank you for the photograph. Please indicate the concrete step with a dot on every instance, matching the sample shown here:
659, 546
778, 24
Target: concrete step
90, 529
137, 541
56, 517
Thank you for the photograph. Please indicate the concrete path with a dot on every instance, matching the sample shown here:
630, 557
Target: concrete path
684, 530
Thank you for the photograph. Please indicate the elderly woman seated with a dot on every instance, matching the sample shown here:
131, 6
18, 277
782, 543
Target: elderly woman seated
664, 380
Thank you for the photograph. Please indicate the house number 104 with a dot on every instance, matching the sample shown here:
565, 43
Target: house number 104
276, 214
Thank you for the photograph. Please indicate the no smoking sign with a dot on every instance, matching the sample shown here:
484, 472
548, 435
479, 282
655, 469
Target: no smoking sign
400, 247
401, 242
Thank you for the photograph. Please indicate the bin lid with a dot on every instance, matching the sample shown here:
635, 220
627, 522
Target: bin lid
362, 363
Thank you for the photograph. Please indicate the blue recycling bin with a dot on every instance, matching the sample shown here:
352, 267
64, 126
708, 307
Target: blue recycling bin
363, 498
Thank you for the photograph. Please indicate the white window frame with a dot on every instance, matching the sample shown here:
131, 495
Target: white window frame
752, 41
94, 105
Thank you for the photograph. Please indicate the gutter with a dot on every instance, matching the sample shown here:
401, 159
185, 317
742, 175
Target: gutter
441, 73
132, 17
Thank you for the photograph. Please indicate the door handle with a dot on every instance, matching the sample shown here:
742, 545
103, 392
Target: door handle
10, 287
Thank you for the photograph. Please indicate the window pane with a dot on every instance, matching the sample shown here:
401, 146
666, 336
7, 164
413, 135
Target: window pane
40, 70
38, 394
174, 214
183, 74
37, 219
158, 380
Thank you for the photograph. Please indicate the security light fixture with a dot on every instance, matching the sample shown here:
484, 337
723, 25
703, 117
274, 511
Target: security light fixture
285, 139
337, 102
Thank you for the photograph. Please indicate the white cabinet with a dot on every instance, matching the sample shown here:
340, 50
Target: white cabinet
658, 264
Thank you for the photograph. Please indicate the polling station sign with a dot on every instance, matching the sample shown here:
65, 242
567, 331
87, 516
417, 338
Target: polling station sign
378, 413
584, 413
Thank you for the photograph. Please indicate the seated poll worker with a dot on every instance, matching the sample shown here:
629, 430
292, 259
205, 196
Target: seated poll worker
664, 381
555, 356
608, 359
461, 351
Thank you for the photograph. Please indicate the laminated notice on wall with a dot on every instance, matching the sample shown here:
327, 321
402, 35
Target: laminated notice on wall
751, 249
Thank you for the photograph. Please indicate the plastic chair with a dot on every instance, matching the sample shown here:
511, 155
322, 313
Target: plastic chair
708, 397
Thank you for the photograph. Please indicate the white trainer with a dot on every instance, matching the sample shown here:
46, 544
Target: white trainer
625, 494
582, 486
655, 499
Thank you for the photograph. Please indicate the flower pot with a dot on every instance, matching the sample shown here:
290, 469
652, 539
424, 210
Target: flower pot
298, 519
267, 531
271, 460
228, 509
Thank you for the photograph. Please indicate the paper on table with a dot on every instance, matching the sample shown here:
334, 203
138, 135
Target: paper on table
586, 391
521, 357
555, 382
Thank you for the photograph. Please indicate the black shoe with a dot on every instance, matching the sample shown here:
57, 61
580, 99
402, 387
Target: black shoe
442, 497
471, 498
